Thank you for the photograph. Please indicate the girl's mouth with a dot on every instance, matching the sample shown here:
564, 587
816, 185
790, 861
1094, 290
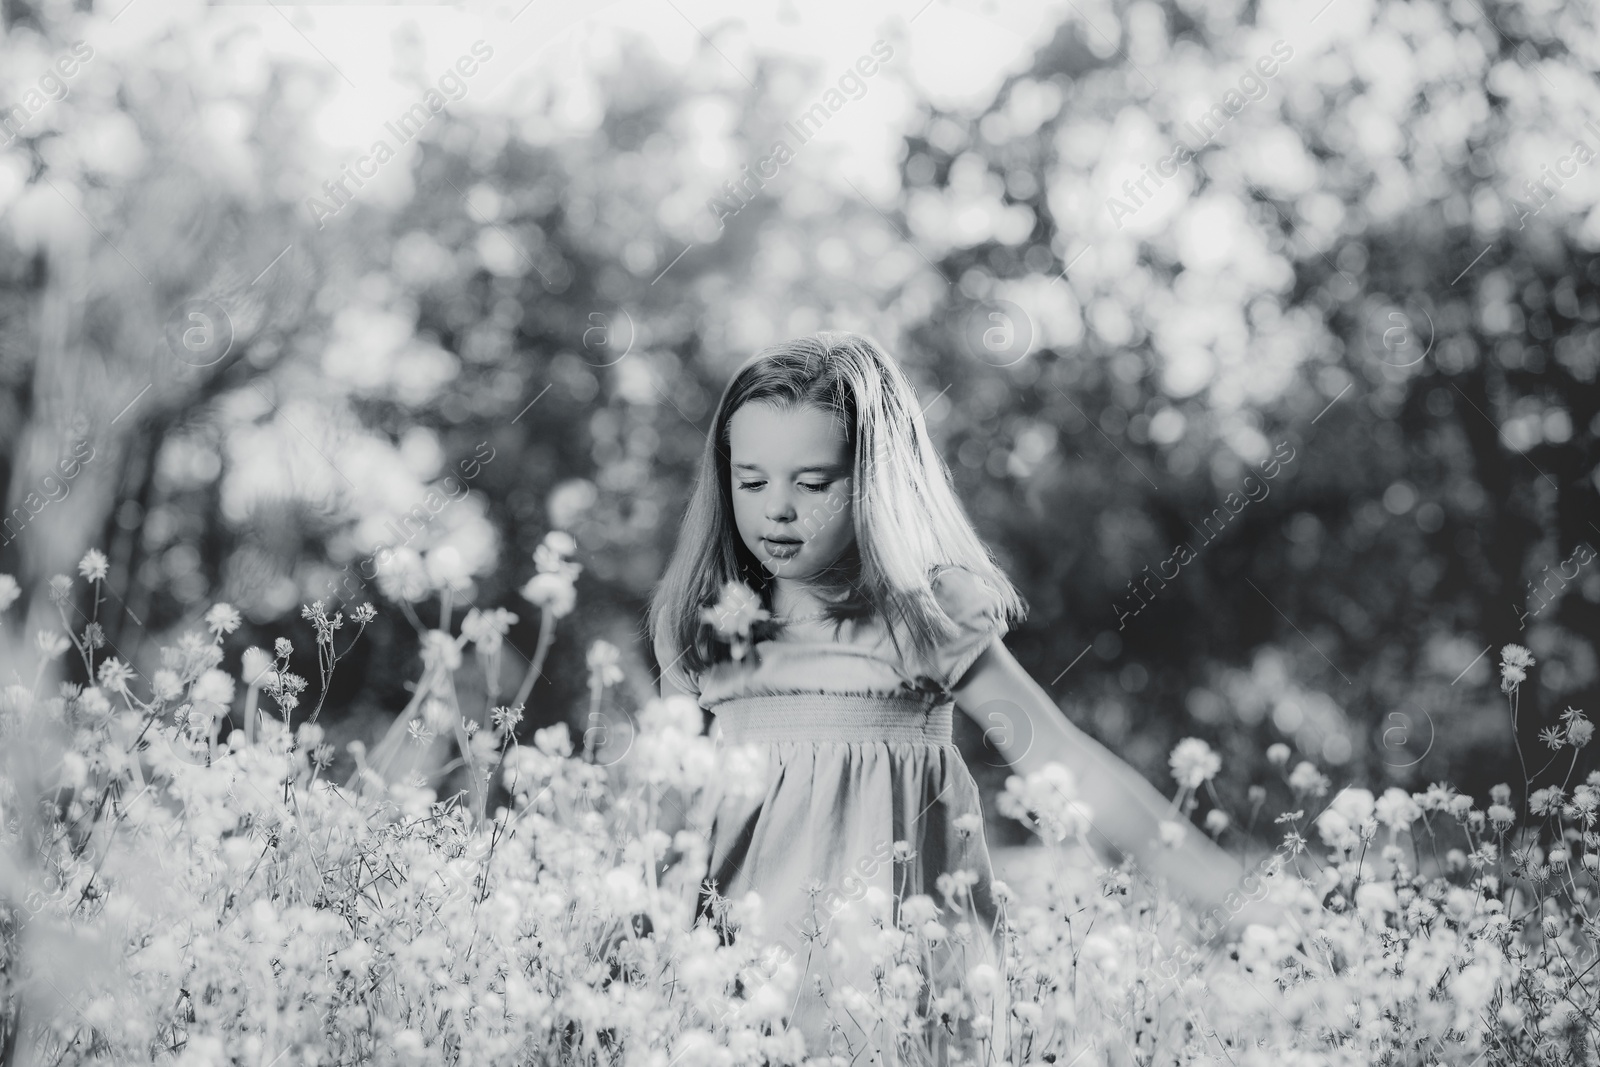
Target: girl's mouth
781, 548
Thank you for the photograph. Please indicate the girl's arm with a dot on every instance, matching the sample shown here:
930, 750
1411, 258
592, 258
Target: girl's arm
1126, 809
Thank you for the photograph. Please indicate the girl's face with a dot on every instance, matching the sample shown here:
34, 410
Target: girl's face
791, 487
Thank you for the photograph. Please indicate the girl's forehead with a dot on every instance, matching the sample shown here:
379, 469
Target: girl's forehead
766, 434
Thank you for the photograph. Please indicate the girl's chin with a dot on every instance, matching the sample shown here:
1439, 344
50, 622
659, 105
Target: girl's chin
787, 568
780, 568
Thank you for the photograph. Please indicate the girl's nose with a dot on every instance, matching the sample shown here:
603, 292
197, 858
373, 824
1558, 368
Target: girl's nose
779, 507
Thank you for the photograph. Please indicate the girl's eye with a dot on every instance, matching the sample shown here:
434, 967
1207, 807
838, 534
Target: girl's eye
751, 485
815, 488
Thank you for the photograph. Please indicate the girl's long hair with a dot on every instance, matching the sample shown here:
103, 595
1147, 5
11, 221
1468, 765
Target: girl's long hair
907, 518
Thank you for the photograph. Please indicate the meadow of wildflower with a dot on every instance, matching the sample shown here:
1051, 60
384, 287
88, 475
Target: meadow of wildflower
184, 883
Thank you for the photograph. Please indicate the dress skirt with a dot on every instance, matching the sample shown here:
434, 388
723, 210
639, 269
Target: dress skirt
847, 778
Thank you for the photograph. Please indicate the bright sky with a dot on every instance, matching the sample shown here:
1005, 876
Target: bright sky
959, 52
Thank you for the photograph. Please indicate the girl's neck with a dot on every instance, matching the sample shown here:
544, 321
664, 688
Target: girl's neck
791, 599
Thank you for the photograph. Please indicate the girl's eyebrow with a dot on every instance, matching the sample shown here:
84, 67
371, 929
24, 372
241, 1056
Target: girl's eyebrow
834, 468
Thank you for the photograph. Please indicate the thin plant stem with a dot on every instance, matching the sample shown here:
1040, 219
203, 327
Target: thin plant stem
546, 636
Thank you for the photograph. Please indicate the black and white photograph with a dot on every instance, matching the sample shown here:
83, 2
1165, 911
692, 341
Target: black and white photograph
908, 533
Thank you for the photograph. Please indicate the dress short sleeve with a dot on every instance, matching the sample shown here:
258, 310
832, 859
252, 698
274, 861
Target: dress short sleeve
688, 680
976, 608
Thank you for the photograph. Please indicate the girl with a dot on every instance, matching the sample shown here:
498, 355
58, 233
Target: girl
820, 490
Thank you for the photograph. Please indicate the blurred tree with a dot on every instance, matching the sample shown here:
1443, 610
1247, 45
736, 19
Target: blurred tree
1339, 267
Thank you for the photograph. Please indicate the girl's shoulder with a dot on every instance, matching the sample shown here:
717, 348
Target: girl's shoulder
978, 611
964, 594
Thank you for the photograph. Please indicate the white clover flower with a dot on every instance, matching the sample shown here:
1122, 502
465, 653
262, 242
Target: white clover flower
1216, 821
1355, 804
439, 647
402, 577
549, 558
51, 642
1397, 810
255, 666
74, 771
676, 712
1437, 797
506, 719
1193, 762
115, 674
166, 685
222, 619
1580, 732
1278, 754
9, 591
983, 980
214, 685
1514, 663
445, 567
1473, 986
93, 700
604, 661
916, 910
948, 887
743, 770
553, 592
560, 542
1029, 1014
1305, 778
905, 980
1376, 896
487, 629
1172, 833
1048, 797
1334, 828
1517, 656
554, 740
439, 715
93, 565
735, 612
1546, 801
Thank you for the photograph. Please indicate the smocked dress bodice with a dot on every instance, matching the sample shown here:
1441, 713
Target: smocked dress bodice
862, 659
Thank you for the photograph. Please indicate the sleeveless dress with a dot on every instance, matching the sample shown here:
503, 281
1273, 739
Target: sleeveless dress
860, 764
